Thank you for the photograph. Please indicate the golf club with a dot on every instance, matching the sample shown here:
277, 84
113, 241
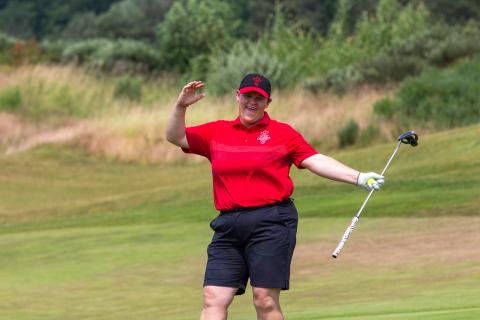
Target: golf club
410, 138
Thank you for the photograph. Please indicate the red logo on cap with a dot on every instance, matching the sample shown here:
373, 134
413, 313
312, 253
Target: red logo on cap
257, 80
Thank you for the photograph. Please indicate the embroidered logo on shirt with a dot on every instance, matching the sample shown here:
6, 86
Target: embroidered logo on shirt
263, 137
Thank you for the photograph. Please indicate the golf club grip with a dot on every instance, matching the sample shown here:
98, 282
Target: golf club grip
347, 233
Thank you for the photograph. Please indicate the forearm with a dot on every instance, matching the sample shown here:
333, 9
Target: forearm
176, 127
330, 168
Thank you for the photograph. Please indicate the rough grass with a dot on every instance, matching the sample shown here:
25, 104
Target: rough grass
57, 100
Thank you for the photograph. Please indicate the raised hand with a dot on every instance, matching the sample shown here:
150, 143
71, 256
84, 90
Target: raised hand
188, 94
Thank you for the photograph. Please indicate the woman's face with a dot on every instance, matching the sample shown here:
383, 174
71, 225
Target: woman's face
251, 107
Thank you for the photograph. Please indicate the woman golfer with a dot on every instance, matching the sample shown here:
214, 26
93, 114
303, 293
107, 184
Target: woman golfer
256, 229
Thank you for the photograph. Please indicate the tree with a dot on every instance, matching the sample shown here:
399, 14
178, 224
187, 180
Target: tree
455, 11
311, 14
135, 19
18, 19
82, 26
39, 18
193, 30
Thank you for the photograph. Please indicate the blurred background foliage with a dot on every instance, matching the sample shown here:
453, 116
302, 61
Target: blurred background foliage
428, 49
330, 44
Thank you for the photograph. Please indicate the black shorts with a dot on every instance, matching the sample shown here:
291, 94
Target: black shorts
255, 243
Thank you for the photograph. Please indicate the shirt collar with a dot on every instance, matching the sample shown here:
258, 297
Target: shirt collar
262, 123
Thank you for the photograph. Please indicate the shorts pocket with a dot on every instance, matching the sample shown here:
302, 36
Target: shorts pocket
222, 223
288, 215
214, 223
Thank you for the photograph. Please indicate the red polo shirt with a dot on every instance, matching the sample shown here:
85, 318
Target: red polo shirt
250, 166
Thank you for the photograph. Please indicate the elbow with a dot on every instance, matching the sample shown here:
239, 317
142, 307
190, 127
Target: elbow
173, 140
170, 137
176, 140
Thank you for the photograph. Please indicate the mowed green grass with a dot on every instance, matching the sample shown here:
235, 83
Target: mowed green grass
86, 238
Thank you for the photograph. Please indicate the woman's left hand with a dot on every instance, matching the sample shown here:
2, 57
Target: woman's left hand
370, 180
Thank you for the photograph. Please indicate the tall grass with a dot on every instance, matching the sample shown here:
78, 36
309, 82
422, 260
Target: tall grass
57, 97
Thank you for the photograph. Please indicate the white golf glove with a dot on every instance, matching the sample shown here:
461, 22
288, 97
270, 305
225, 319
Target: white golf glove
370, 180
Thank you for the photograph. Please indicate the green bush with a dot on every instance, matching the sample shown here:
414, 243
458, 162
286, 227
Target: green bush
135, 56
370, 135
82, 51
346, 61
128, 87
10, 99
348, 134
446, 98
438, 46
385, 107
459, 42
82, 26
192, 28
342, 80
6, 42
53, 50
283, 55
122, 56
227, 70
314, 85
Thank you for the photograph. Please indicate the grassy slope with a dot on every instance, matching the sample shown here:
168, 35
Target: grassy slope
63, 187
84, 238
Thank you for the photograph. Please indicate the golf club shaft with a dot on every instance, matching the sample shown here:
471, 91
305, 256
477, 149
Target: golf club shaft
391, 158
355, 219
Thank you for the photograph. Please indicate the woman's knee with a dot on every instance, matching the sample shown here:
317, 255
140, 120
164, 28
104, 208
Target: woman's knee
266, 300
217, 297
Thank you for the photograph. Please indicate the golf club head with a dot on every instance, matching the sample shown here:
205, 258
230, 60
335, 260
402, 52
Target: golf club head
410, 138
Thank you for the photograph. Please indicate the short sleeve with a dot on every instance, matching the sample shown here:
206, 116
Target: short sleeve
298, 148
199, 138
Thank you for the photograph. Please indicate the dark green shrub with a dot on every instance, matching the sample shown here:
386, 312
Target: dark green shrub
283, 55
10, 99
81, 52
128, 87
460, 42
348, 134
83, 25
53, 50
446, 98
127, 56
342, 80
122, 56
6, 42
370, 135
389, 68
384, 107
314, 85
192, 28
438, 46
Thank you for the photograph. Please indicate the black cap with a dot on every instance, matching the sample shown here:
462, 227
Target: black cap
256, 82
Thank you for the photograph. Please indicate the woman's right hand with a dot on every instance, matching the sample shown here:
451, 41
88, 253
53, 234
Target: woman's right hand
188, 94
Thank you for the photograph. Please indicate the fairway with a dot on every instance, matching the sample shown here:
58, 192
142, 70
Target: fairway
82, 237
420, 269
